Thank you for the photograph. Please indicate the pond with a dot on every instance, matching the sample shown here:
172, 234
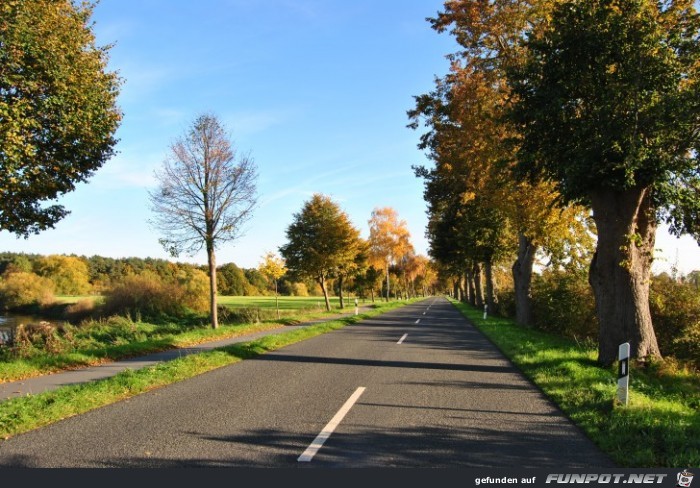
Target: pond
10, 321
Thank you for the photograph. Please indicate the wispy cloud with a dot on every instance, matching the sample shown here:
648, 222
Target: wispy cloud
125, 171
249, 122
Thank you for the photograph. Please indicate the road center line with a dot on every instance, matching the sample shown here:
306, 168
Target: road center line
321, 438
423, 313
402, 339
418, 321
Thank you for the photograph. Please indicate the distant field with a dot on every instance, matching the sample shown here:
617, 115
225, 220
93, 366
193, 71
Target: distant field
77, 298
286, 303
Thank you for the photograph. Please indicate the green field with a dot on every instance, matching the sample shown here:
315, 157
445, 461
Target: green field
77, 298
285, 303
268, 302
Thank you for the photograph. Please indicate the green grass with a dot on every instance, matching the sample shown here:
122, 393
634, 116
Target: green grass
22, 414
117, 338
659, 428
76, 298
285, 303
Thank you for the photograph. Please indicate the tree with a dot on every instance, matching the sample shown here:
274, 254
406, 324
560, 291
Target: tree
389, 239
607, 106
273, 267
321, 239
234, 280
69, 274
352, 269
23, 289
368, 279
471, 189
205, 193
58, 111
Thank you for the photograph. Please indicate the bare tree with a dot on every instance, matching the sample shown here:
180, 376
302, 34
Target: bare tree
206, 192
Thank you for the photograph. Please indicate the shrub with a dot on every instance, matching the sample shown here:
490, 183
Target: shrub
44, 335
195, 289
245, 315
23, 289
299, 290
675, 312
505, 307
81, 310
563, 303
145, 296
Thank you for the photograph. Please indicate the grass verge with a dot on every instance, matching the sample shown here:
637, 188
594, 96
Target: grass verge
119, 338
659, 428
22, 414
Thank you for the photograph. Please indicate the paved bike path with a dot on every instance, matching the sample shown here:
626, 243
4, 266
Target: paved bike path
40, 384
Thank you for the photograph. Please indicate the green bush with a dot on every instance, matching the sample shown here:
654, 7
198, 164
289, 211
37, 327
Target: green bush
22, 289
563, 303
80, 310
145, 296
245, 315
505, 307
44, 336
195, 289
675, 313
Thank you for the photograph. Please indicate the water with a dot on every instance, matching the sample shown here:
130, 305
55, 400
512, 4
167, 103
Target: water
10, 321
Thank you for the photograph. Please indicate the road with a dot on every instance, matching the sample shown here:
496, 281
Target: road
428, 389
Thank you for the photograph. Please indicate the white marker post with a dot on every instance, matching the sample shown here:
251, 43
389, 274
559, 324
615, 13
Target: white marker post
623, 375
486, 311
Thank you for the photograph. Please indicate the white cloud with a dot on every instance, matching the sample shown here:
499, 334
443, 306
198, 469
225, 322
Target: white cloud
125, 171
249, 122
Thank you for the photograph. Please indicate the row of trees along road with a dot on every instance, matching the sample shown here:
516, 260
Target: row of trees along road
58, 116
556, 121
323, 243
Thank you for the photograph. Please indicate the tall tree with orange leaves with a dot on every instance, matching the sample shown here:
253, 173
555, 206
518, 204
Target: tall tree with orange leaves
389, 240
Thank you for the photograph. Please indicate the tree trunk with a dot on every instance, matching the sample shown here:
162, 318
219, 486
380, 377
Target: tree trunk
213, 312
277, 302
322, 282
371, 293
387, 280
478, 294
620, 272
471, 289
522, 280
490, 289
340, 291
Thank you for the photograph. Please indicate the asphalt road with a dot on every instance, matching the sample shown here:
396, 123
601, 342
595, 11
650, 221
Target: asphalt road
428, 389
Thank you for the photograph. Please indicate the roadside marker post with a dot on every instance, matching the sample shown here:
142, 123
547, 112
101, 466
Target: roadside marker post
486, 311
623, 374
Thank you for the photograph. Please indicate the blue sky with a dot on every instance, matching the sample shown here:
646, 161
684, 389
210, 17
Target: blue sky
316, 91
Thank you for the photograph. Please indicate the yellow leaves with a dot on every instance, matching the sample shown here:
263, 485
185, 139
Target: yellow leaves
388, 236
467, 197
272, 266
